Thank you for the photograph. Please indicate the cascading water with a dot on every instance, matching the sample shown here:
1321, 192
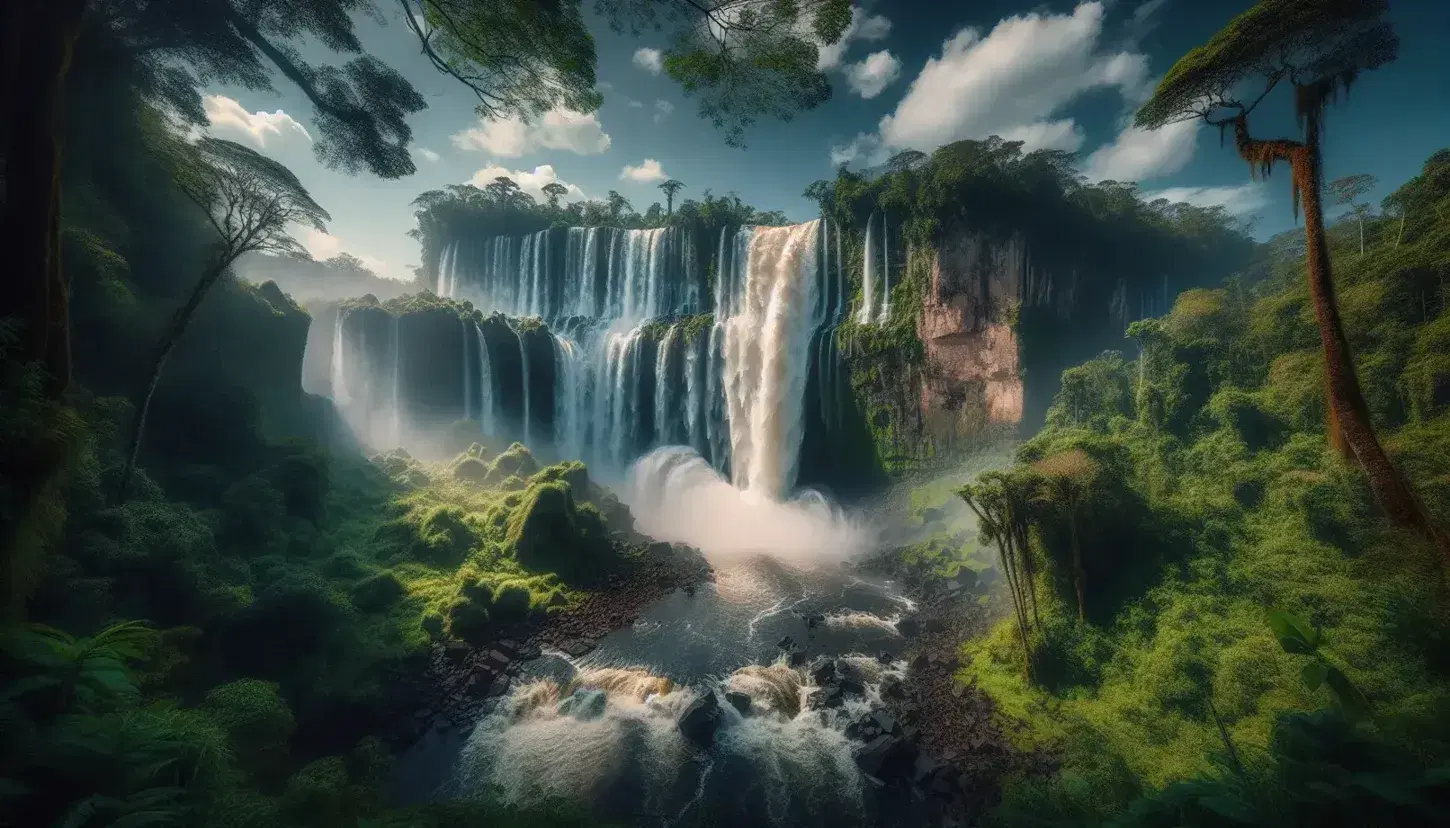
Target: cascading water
867, 313
524, 367
767, 356
486, 398
884, 315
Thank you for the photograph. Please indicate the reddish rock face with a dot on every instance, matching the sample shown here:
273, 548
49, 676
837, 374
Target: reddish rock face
973, 377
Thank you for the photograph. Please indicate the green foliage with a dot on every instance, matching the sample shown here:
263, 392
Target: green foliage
257, 722
1308, 41
1219, 497
550, 532
377, 592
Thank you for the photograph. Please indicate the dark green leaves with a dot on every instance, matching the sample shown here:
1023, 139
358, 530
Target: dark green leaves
1306, 42
1294, 633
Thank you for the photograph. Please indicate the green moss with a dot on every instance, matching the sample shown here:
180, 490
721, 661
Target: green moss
517, 460
376, 592
549, 532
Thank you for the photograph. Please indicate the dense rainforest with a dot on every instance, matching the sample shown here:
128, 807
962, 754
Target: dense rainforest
1200, 614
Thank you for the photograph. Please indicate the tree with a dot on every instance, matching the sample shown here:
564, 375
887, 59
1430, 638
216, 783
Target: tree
671, 187
1066, 478
618, 205
553, 191
250, 201
1347, 190
347, 263
506, 192
1318, 47
1000, 502
822, 192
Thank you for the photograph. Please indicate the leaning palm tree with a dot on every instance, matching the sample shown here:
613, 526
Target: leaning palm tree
671, 187
1317, 47
251, 202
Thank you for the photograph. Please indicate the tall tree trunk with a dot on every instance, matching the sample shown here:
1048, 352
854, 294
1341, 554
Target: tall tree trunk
164, 348
1079, 575
1350, 428
1401, 236
36, 46
1360, 216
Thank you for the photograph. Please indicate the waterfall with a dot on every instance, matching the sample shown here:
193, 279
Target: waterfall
664, 388
569, 397
524, 368
339, 376
767, 357
884, 315
396, 427
467, 375
868, 275
693, 400
840, 280
485, 385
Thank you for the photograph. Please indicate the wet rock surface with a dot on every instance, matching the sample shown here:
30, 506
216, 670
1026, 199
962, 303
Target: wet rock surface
936, 744
459, 684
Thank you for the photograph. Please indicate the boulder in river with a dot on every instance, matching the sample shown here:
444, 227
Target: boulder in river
908, 627
887, 757
739, 701
701, 719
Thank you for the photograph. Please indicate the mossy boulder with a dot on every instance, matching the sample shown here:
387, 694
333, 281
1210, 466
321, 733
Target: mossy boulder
470, 470
376, 592
256, 719
550, 532
575, 473
516, 461
469, 620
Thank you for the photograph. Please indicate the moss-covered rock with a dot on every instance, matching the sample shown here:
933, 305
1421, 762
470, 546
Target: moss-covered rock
516, 461
256, 719
376, 592
550, 532
575, 473
470, 470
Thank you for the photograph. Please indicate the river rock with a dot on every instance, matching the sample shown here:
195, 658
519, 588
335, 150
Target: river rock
892, 688
578, 647
908, 627
887, 757
786, 643
824, 673
739, 701
499, 687
701, 719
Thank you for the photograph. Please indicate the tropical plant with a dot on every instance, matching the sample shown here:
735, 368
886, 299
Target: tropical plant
1297, 637
1066, 478
1347, 190
1001, 502
553, 191
1318, 48
251, 202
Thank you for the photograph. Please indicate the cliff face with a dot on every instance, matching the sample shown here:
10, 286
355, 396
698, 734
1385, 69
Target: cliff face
973, 374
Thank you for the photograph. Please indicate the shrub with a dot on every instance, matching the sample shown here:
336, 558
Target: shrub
376, 592
257, 722
549, 533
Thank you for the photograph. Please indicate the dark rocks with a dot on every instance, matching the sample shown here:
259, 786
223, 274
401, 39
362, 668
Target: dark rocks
739, 701
824, 672
456, 651
829, 695
701, 719
813, 619
892, 688
498, 660
660, 548
909, 627
797, 658
786, 643
499, 687
887, 757
578, 647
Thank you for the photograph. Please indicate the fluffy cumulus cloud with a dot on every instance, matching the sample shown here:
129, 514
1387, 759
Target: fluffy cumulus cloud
1013, 81
1140, 154
647, 171
663, 110
1239, 199
873, 74
226, 115
863, 26
427, 155
530, 181
650, 60
559, 129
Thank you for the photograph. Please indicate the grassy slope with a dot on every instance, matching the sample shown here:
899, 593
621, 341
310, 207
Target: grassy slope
1220, 435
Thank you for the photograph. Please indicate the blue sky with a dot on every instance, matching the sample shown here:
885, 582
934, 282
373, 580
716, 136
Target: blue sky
909, 74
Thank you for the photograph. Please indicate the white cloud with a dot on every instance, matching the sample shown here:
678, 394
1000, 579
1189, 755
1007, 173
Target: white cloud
647, 172
226, 114
865, 147
1240, 200
650, 60
633, 104
863, 26
427, 155
531, 182
663, 110
558, 129
321, 245
1012, 82
873, 74
604, 86
1140, 154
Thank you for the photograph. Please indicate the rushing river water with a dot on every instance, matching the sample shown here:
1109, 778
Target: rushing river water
603, 728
